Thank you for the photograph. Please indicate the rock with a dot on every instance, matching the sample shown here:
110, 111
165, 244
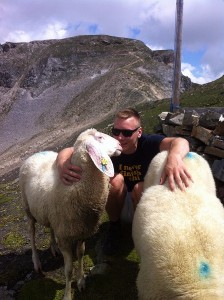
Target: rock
209, 119
219, 128
202, 134
218, 169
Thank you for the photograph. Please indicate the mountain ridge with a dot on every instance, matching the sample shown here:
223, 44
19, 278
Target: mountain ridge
50, 90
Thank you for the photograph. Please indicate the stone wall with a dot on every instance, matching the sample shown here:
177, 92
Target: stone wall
204, 129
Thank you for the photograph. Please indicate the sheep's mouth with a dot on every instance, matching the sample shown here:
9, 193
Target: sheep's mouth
117, 152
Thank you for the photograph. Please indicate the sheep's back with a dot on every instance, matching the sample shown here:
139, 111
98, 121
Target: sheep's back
197, 166
179, 237
38, 179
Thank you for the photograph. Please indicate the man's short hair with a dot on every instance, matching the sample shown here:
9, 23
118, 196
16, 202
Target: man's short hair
128, 113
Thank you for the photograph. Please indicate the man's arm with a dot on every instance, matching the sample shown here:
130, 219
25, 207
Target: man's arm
175, 169
68, 173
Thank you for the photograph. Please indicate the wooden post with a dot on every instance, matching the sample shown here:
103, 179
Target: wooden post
175, 100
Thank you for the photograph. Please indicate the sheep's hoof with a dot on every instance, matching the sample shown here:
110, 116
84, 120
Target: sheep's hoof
81, 283
38, 267
67, 297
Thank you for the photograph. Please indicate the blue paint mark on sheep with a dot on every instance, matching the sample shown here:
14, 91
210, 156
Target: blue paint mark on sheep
43, 153
190, 155
204, 270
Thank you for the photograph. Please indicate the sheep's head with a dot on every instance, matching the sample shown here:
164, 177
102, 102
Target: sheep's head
100, 147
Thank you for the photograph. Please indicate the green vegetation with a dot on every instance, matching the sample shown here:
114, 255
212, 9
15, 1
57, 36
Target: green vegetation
207, 95
44, 289
4, 198
118, 281
7, 191
14, 240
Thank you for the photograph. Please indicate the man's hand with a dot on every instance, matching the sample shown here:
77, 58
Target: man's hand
175, 170
68, 173
176, 173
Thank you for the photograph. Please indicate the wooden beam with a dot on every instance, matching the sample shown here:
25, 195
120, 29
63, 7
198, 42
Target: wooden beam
175, 100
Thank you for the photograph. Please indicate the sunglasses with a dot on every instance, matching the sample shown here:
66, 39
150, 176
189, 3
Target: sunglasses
125, 132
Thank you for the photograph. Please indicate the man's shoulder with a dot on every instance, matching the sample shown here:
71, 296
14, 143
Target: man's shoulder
151, 137
149, 144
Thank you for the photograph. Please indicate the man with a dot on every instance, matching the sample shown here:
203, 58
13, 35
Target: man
131, 167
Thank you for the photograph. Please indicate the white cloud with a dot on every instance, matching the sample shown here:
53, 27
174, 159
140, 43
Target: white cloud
49, 31
18, 36
155, 47
199, 74
56, 30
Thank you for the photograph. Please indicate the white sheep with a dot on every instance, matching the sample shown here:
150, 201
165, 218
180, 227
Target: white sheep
72, 212
179, 236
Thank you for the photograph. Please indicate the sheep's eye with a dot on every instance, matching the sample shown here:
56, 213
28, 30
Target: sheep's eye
99, 137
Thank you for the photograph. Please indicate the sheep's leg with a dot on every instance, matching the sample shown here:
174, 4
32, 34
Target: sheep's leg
53, 244
80, 249
66, 251
35, 256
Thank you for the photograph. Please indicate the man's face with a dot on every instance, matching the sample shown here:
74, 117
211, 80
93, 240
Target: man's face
128, 144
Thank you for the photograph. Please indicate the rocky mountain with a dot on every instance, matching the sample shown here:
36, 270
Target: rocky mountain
50, 90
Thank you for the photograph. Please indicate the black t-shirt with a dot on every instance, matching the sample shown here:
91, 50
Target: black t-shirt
134, 166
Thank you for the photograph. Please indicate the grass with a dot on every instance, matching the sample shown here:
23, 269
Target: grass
118, 282
7, 191
41, 289
207, 95
14, 240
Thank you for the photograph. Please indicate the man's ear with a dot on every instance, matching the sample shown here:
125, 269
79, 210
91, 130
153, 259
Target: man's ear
139, 132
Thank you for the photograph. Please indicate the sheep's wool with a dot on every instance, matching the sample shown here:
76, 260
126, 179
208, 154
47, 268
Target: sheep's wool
179, 237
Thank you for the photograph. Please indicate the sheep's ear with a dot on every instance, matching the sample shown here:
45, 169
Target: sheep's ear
100, 158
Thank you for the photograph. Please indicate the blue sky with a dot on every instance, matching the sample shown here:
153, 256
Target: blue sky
151, 21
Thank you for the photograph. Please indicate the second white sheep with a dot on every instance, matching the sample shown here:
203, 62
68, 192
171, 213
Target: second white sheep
179, 236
